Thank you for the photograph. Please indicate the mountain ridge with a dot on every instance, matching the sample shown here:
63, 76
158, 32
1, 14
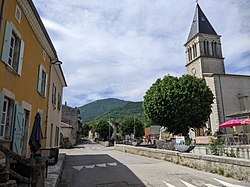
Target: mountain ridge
116, 108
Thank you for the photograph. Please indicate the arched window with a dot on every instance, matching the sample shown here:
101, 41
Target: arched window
206, 47
190, 54
214, 48
194, 50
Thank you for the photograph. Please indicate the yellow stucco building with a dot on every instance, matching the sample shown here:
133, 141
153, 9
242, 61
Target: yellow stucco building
27, 56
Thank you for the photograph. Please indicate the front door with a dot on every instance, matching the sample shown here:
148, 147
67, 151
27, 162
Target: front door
25, 129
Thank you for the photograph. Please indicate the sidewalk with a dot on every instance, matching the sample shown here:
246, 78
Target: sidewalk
54, 172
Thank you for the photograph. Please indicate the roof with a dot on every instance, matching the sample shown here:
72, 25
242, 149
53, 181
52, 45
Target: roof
42, 26
65, 125
240, 113
200, 24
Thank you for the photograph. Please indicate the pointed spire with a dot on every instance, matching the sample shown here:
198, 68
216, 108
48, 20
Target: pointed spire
200, 24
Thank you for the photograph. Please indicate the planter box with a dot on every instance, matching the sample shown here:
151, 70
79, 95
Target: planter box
184, 148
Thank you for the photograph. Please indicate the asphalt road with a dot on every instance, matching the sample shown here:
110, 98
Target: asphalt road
91, 165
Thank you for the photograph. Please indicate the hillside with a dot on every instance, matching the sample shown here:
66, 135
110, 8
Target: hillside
130, 109
114, 108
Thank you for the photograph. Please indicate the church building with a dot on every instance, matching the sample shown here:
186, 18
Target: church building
204, 59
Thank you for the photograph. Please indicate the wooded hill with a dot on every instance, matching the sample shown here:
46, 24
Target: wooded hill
111, 108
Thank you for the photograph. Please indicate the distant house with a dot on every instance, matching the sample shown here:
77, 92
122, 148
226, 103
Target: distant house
71, 117
66, 132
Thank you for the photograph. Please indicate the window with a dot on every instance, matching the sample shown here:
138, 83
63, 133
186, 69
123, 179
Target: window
7, 111
57, 136
44, 55
54, 95
214, 48
194, 50
13, 48
18, 14
42, 80
59, 101
206, 47
190, 54
51, 134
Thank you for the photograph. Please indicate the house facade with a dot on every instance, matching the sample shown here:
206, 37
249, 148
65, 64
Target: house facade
26, 57
70, 116
57, 82
204, 59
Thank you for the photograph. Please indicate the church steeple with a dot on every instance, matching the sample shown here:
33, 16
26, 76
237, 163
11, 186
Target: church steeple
203, 47
200, 24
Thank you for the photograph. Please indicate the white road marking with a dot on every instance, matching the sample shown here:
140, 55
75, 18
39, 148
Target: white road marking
89, 166
101, 165
112, 164
227, 183
168, 185
210, 185
78, 167
187, 184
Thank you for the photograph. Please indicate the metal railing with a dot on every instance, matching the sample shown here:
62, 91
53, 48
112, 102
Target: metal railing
36, 170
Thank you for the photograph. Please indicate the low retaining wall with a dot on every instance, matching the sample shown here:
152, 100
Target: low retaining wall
227, 166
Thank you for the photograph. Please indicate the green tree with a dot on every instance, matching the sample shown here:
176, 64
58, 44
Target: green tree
104, 129
131, 125
84, 129
178, 103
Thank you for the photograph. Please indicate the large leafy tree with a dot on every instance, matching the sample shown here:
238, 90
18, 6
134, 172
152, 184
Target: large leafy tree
84, 129
178, 103
104, 129
131, 125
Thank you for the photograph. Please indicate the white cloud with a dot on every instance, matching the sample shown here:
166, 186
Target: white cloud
112, 49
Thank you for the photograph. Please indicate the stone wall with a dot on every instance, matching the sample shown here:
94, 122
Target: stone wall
230, 167
71, 116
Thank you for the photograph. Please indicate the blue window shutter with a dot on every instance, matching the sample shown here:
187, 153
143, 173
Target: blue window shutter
46, 85
39, 86
20, 60
6, 42
18, 131
1, 105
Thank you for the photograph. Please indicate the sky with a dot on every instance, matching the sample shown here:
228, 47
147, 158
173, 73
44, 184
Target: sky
118, 48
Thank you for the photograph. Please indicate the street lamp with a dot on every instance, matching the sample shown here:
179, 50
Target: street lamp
56, 62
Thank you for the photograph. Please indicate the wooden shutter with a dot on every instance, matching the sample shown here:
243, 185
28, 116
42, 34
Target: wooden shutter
20, 60
18, 130
6, 42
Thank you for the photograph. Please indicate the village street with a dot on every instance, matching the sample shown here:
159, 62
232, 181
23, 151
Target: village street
93, 165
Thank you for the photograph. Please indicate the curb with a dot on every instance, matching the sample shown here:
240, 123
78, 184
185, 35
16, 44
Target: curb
55, 172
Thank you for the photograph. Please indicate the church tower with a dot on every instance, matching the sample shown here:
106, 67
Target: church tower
203, 47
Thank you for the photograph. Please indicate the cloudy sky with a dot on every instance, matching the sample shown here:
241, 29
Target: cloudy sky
118, 48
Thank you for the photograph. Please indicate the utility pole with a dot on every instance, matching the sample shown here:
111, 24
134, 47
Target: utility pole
109, 128
134, 126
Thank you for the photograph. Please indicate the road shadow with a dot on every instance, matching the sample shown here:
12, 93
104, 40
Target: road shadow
97, 171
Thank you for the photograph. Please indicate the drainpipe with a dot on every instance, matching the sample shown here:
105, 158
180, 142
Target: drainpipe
1, 14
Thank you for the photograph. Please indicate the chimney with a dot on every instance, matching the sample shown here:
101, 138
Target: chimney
65, 103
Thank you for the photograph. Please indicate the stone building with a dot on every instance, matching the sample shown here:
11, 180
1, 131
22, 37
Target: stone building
204, 59
71, 117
